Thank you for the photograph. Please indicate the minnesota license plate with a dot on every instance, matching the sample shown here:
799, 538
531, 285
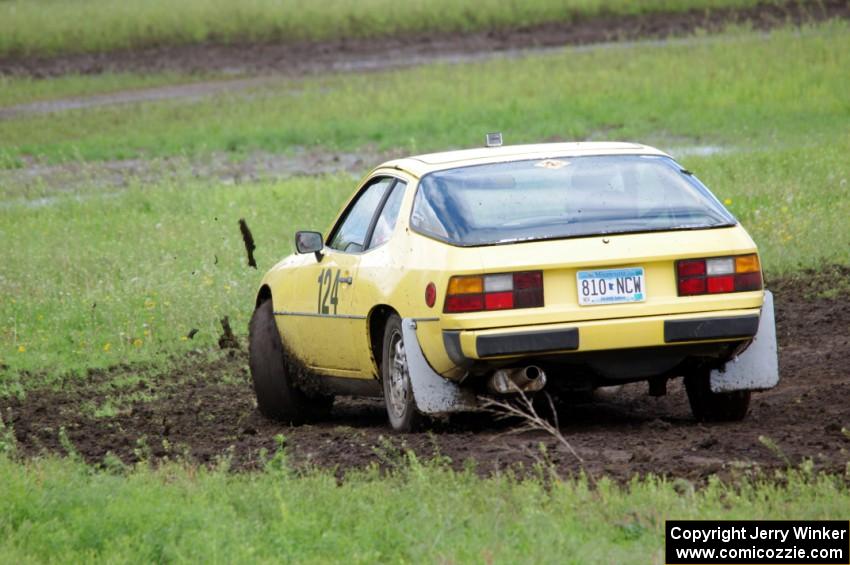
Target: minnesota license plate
611, 286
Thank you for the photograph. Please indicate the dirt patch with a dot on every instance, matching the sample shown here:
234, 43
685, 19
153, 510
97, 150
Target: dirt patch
203, 409
42, 184
364, 54
186, 92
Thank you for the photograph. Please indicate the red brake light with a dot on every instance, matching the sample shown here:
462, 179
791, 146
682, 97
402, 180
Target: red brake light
724, 283
498, 300
724, 274
502, 291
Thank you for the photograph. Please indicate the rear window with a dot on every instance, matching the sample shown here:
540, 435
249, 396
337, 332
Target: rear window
562, 197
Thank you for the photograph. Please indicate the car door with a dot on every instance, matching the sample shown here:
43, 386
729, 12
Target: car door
326, 326
378, 271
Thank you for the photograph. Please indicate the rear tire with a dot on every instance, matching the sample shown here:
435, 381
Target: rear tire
708, 406
278, 397
395, 375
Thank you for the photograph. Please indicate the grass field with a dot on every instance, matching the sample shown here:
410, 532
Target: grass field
45, 27
421, 513
746, 89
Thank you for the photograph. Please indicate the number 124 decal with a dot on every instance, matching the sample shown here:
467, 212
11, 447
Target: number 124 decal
328, 291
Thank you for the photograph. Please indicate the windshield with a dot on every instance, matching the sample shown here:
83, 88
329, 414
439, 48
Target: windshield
563, 197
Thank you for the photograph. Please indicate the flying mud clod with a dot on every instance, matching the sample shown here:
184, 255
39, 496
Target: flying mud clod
228, 339
249, 242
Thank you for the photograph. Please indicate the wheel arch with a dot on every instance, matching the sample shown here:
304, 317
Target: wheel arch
265, 293
376, 322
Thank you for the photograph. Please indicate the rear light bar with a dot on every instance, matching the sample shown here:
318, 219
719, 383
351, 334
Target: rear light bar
718, 275
504, 291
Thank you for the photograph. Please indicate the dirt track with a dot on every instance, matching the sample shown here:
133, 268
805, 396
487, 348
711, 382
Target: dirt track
365, 54
204, 410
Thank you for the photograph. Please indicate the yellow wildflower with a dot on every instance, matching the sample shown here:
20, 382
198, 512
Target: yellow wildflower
22, 349
107, 347
137, 342
728, 201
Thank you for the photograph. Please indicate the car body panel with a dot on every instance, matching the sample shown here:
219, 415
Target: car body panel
597, 335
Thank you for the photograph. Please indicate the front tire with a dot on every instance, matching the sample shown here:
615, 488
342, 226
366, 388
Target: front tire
395, 375
708, 406
278, 397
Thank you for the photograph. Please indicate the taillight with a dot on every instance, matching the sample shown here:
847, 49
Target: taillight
718, 275
503, 291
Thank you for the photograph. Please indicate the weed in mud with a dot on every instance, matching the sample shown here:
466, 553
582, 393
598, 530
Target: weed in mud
774, 448
51, 27
8, 441
522, 407
61, 509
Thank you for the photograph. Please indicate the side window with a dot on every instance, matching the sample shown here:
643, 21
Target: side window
386, 221
350, 233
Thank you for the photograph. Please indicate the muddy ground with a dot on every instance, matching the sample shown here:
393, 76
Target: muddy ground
202, 409
365, 54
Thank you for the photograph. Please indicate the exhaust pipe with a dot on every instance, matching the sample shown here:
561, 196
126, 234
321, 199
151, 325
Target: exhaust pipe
517, 379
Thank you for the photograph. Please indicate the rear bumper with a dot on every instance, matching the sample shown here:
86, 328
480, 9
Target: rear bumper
651, 331
726, 327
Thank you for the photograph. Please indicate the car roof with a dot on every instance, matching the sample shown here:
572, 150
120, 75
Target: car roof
420, 165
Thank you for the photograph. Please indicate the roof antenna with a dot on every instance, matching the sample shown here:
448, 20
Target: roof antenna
493, 139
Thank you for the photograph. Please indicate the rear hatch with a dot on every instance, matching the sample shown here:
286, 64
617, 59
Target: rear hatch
645, 286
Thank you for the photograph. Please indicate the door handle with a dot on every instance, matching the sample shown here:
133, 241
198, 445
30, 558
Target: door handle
346, 280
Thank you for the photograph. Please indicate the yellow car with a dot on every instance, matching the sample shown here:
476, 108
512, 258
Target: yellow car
454, 276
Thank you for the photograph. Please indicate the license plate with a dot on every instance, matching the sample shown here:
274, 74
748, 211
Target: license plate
611, 286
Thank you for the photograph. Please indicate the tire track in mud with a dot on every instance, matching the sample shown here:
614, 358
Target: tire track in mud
202, 410
357, 54
289, 60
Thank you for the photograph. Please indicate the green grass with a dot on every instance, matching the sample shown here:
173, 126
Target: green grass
98, 278
56, 26
423, 513
788, 88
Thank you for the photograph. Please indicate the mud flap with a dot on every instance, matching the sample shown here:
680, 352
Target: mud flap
432, 393
757, 367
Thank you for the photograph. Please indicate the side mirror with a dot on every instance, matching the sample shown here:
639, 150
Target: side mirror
309, 242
